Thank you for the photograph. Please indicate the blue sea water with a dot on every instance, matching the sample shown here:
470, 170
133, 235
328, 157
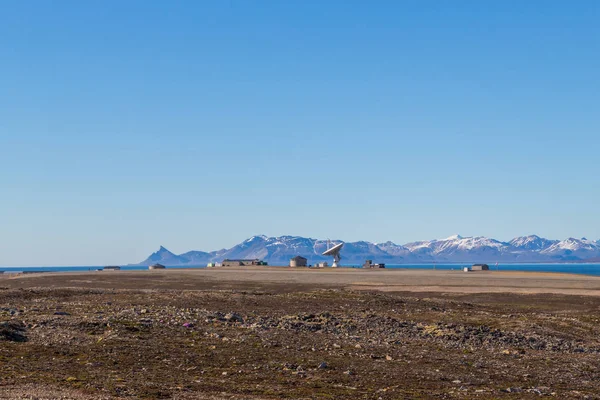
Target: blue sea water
80, 269
574, 268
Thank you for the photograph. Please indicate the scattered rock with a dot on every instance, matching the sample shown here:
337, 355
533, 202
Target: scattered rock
234, 317
13, 331
512, 390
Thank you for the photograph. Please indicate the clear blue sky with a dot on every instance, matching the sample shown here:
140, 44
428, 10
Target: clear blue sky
125, 125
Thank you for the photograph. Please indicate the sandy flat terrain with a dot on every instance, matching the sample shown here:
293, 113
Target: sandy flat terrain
291, 279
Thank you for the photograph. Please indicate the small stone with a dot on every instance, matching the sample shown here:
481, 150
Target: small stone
388, 357
323, 365
234, 317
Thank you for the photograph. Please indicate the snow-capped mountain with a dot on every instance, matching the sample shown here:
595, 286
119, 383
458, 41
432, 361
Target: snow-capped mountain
532, 242
394, 249
278, 251
460, 249
573, 249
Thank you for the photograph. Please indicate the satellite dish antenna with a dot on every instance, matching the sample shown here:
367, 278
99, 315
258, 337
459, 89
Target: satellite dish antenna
335, 252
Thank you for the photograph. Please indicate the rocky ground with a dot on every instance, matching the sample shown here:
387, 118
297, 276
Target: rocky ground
325, 343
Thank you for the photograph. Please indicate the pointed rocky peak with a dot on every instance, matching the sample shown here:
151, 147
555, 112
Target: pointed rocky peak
165, 257
163, 251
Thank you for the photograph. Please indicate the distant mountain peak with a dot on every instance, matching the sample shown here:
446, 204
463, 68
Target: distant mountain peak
255, 237
531, 243
456, 236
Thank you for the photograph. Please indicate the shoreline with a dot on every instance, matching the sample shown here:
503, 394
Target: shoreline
285, 268
359, 265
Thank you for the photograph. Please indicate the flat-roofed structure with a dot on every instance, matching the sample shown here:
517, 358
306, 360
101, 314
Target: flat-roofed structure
370, 264
112, 268
242, 262
298, 261
480, 267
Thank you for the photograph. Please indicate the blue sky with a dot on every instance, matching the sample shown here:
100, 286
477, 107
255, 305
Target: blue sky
194, 125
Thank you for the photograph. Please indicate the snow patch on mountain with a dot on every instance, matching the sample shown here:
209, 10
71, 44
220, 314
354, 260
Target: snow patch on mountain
532, 242
573, 249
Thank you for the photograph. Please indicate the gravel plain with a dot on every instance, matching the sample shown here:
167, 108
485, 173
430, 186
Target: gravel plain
269, 333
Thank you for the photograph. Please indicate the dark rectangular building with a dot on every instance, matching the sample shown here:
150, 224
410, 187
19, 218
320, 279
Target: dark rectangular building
242, 262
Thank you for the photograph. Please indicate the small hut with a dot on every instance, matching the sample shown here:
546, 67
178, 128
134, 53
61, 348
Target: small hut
298, 261
156, 266
480, 267
370, 264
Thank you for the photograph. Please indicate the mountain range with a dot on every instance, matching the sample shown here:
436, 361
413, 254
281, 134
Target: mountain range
278, 251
